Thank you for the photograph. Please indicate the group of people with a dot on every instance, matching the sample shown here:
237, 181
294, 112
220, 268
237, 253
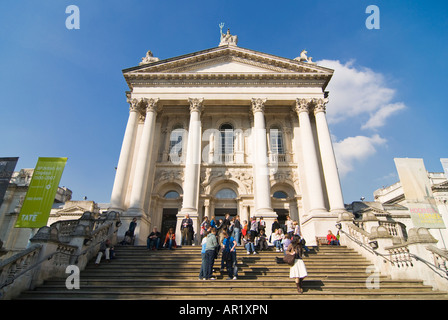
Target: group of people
212, 246
154, 240
222, 238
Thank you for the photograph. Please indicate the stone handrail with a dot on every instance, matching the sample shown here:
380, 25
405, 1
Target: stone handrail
17, 264
53, 249
409, 260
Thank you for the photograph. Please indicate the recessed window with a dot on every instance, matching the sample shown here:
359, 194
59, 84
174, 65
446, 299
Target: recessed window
226, 131
280, 195
176, 138
171, 195
276, 139
226, 194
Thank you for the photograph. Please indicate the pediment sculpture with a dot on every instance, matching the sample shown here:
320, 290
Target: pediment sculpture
227, 38
304, 58
149, 58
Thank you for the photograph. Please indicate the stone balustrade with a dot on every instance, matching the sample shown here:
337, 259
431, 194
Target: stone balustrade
415, 257
55, 247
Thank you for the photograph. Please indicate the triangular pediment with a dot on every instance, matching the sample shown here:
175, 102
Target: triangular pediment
228, 60
74, 209
227, 65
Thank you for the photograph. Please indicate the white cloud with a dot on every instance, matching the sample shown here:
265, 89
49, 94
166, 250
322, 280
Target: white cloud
355, 149
359, 91
378, 119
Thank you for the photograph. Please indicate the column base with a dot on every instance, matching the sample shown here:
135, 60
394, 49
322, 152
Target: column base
317, 225
142, 230
196, 226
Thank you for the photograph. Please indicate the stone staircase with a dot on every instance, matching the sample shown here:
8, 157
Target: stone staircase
136, 273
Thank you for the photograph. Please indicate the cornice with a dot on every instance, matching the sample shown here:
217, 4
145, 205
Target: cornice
178, 71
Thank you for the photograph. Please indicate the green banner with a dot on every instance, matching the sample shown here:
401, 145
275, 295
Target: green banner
41, 193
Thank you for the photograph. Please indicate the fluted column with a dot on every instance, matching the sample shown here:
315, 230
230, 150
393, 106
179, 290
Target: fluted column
262, 188
124, 162
143, 159
193, 158
328, 158
311, 166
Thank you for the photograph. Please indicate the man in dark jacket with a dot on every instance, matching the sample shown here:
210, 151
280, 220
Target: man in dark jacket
187, 230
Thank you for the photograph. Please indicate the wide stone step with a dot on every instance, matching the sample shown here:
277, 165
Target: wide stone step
232, 285
138, 273
208, 294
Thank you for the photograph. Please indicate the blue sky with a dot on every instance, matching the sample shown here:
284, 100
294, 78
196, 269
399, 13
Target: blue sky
63, 93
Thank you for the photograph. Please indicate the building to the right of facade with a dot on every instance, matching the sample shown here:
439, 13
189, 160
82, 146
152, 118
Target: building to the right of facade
419, 199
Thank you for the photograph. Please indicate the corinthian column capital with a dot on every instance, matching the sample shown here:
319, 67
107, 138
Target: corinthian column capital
258, 104
196, 104
302, 105
133, 104
151, 104
320, 105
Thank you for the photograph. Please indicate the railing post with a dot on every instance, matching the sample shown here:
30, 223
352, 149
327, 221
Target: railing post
344, 220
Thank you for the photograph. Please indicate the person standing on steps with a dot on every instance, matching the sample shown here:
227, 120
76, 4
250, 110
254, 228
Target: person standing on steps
203, 263
131, 229
210, 254
229, 256
186, 230
289, 226
237, 230
298, 270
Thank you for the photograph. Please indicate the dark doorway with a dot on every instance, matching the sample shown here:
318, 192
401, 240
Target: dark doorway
220, 213
169, 220
282, 213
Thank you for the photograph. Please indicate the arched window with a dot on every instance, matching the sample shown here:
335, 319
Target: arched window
280, 195
171, 195
276, 140
226, 131
226, 194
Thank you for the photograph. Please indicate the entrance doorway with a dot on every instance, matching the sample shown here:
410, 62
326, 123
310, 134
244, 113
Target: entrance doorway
169, 220
220, 213
281, 217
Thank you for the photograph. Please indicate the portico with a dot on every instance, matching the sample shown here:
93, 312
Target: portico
227, 128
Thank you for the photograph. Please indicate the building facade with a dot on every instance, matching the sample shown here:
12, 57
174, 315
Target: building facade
16, 239
227, 130
396, 204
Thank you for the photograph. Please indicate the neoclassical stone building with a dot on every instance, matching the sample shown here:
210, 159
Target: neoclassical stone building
227, 130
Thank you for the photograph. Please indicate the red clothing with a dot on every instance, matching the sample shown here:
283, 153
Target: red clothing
167, 239
331, 237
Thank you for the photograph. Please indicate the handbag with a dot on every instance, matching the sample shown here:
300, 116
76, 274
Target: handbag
289, 259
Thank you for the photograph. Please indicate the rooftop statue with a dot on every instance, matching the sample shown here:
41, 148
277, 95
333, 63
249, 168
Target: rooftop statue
149, 58
227, 38
304, 58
